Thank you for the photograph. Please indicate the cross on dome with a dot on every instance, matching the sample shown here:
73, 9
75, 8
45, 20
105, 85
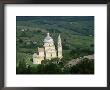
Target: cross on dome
48, 34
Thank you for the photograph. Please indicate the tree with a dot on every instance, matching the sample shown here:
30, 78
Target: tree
86, 66
21, 69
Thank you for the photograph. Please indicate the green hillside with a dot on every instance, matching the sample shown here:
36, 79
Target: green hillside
77, 34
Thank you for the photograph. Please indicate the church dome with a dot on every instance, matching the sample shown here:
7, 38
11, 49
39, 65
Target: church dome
48, 38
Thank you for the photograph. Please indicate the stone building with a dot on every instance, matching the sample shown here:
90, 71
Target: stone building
48, 51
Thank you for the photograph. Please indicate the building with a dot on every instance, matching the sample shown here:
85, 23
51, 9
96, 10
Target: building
48, 51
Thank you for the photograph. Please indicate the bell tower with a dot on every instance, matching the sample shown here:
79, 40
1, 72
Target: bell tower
59, 47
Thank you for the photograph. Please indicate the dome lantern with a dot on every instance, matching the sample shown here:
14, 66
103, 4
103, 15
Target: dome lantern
48, 38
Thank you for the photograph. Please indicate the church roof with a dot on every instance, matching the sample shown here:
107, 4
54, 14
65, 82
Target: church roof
48, 38
40, 49
35, 55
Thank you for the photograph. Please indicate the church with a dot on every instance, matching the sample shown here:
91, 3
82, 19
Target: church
48, 51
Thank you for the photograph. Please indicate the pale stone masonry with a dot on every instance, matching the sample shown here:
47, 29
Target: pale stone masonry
48, 51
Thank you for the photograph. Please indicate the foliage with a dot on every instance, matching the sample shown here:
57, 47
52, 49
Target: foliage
86, 66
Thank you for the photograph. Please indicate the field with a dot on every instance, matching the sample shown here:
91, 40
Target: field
77, 34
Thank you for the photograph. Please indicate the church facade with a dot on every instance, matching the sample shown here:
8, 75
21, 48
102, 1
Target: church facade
48, 51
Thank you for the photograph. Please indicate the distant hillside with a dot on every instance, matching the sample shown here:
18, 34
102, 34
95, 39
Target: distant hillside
82, 25
56, 18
